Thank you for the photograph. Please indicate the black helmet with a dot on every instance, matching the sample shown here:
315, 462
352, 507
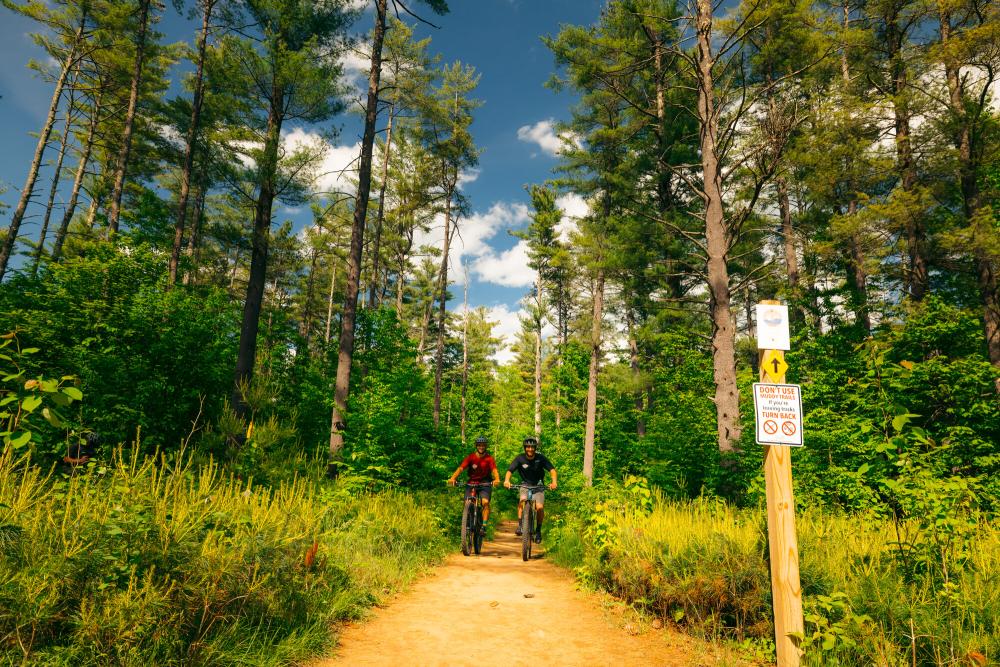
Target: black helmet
530, 442
481, 440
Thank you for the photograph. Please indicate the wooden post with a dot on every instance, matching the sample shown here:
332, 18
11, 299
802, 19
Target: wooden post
786, 591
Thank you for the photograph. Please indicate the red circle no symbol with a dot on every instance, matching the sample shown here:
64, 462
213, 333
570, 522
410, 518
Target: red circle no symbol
770, 427
788, 428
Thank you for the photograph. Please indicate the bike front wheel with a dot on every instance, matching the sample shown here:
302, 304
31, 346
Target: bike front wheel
468, 526
526, 527
477, 535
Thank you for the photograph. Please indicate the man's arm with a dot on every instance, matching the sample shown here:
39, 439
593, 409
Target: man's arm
496, 474
510, 469
458, 471
553, 484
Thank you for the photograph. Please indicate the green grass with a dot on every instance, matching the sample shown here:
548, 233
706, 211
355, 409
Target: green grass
146, 561
703, 565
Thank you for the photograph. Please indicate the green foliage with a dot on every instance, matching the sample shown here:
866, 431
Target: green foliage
24, 403
146, 358
156, 561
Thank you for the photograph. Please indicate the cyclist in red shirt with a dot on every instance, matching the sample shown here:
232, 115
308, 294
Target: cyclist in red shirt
482, 468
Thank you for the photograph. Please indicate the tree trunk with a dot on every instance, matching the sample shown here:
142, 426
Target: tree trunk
538, 356
56, 176
380, 215
192, 137
788, 235
258, 259
133, 103
717, 242
442, 310
638, 393
590, 427
43, 140
329, 299
194, 242
307, 315
81, 171
465, 352
347, 318
916, 278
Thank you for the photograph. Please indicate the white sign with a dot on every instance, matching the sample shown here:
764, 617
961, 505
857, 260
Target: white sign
772, 327
778, 413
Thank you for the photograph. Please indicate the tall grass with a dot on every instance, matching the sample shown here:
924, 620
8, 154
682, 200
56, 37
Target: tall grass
703, 565
145, 561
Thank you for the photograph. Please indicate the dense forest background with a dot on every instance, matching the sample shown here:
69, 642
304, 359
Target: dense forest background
841, 157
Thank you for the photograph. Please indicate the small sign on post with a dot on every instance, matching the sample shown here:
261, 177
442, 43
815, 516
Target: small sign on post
778, 408
778, 412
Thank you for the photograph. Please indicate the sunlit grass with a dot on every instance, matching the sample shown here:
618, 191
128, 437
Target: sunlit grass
149, 561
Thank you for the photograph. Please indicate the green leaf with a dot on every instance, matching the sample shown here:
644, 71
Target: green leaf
62, 400
30, 403
20, 439
52, 417
73, 393
29, 350
863, 468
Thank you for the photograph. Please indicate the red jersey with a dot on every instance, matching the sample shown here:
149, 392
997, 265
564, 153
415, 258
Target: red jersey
480, 467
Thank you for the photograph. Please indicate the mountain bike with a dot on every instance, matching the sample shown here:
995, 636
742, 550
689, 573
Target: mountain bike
528, 518
472, 519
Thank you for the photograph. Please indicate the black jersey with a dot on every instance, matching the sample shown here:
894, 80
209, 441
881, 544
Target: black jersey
532, 471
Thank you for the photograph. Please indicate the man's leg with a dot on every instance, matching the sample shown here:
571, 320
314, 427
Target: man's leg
539, 515
520, 509
486, 510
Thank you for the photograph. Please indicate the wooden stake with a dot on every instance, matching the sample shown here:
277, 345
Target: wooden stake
786, 591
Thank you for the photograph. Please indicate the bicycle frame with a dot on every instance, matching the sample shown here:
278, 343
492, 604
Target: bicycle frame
528, 517
472, 518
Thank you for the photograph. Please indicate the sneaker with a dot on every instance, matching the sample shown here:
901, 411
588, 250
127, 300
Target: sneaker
482, 531
517, 531
538, 537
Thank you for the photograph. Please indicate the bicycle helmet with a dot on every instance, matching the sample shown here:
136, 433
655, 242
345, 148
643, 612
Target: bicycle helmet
530, 442
481, 440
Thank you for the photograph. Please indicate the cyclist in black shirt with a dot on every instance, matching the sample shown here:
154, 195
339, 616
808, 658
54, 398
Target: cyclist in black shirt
531, 467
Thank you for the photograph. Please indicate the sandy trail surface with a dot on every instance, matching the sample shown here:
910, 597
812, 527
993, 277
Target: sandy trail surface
496, 609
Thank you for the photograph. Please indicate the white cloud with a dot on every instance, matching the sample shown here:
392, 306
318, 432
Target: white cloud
573, 207
468, 176
337, 165
508, 325
544, 134
471, 244
508, 268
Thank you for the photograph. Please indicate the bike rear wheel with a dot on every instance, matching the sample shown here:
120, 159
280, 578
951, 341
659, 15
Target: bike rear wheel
526, 528
477, 535
468, 526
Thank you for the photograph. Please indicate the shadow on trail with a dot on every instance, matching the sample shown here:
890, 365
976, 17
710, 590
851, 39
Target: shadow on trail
505, 544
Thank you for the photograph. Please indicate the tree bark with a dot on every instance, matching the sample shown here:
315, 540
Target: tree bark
56, 176
133, 103
192, 137
465, 352
590, 427
195, 240
329, 299
717, 244
348, 316
258, 259
638, 393
81, 171
43, 140
442, 310
538, 356
380, 215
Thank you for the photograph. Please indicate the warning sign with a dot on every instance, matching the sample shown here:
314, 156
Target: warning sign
778, 411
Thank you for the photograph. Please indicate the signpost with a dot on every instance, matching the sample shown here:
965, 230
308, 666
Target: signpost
778, 408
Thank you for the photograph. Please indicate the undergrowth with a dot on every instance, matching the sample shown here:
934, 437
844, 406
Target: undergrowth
145, 561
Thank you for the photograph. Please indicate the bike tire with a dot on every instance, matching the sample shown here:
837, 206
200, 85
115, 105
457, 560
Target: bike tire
526, 532
467, 528
477, 536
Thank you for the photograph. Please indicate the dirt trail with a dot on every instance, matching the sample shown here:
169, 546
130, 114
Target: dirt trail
485, 610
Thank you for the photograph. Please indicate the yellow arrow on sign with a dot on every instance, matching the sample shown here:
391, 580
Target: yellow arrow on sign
774, 364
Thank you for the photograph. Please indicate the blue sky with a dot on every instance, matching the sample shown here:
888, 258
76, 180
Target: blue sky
500, 38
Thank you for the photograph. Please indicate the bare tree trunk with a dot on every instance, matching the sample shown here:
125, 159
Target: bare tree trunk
538, 355
193, 244
329, 299
638, 393
81, 171
590, 427
424, 326
380, 216
348, 316
257, 278
307, 315
56, 177
133, 103
717, 242
442, 310
788, 235
43, 139
465, 352
192, 137
95, 203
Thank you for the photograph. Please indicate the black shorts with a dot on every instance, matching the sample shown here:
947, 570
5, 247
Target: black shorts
485, 492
